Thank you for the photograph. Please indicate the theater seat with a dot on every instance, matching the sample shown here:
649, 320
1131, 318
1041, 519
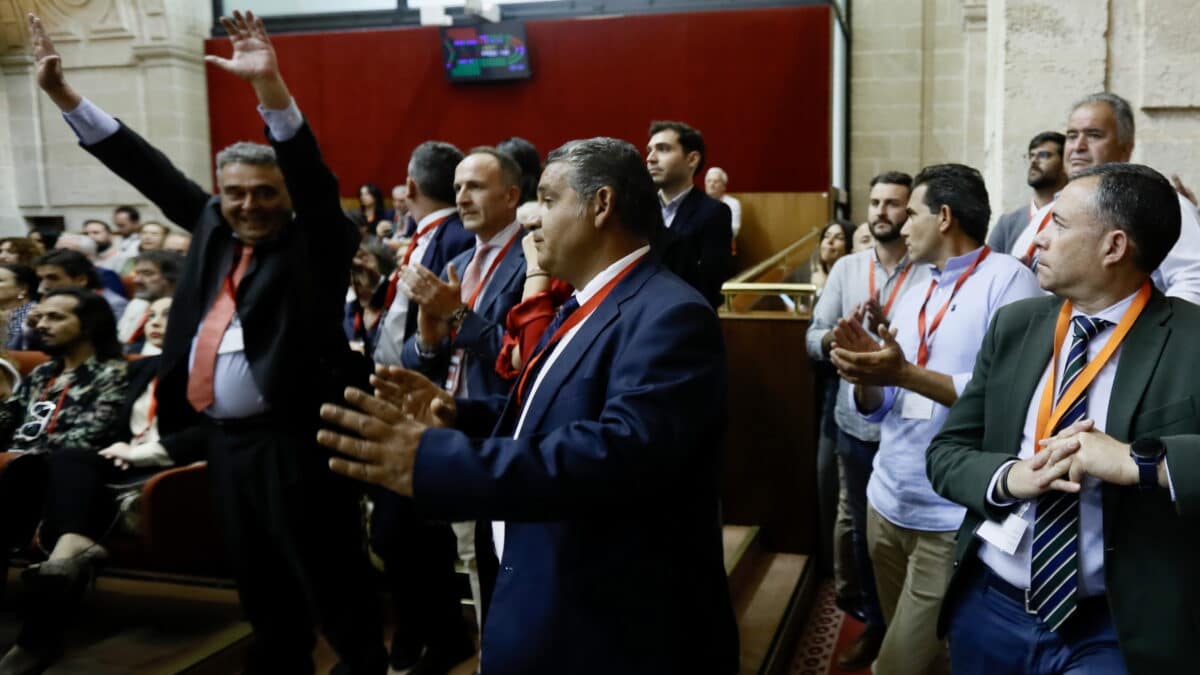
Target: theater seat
177, 530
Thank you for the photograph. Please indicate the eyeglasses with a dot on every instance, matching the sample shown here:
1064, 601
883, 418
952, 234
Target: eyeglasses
1040, 155
39, 416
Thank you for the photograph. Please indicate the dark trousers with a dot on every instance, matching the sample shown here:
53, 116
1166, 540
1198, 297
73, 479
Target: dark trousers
292, 529
419, 556
857, 457
990, 633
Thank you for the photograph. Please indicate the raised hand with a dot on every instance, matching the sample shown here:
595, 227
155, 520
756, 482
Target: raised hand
382, 447
414, 397
48, 65
439, 298
253, 59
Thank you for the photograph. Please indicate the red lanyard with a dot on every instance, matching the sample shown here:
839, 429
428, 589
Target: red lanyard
1041, 226
141, 327
412, 243
574, 320
57, 405
923, 348
492, 268
887, 308
1047, 420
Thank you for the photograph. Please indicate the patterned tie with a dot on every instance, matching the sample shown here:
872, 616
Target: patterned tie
1055, 561
200, 379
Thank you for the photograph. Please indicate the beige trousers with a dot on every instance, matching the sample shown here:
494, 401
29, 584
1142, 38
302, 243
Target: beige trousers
912, 569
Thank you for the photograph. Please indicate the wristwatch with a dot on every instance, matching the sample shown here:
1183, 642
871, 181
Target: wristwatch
1147, 453
457, 317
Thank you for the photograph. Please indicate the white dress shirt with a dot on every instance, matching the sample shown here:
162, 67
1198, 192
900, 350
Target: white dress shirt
581, 296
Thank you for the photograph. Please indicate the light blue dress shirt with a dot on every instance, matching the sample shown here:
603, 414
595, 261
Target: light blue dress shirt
670, 208
899, 488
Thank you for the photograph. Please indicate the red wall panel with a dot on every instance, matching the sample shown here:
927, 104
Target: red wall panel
756, 82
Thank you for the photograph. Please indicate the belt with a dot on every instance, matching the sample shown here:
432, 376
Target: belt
1020, 596
263, 419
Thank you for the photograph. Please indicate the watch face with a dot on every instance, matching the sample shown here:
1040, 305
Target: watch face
1147, 448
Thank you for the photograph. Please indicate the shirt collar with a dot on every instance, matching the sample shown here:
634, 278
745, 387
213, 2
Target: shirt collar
429, 218
500, 237
1113, 313
678, 198
593, 287
955, 266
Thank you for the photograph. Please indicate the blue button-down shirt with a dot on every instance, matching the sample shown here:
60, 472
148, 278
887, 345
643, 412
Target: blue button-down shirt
899, 489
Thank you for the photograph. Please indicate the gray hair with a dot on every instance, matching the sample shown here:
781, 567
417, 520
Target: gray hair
720, 174
1121, 110
245, 152
431, 167
608, 162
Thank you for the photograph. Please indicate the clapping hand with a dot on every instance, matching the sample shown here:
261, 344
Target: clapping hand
439, 299
414, 396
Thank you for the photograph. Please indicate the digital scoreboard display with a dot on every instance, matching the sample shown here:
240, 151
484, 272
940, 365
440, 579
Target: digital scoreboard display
494, 51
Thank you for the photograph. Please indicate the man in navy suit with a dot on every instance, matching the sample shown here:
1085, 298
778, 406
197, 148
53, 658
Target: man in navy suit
438, 237
697, 243
601, 468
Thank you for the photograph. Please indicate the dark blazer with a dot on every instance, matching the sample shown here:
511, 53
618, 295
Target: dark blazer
1152, 553
184, 446
697, 246
481, 333
291, 299
1008, 229
612, 561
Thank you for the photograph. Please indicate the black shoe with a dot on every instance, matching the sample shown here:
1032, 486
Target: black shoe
439, 660
851, 607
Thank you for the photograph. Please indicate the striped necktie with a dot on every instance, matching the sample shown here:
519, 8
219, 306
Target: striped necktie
1055, 562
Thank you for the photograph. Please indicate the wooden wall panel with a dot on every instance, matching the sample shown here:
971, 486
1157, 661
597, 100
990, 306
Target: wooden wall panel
772, 220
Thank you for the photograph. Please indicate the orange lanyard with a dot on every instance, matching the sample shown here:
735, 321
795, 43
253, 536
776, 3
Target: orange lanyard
1041, 226
887, 308
923, 348
492, 268
1047, 420
574, 320
57, 405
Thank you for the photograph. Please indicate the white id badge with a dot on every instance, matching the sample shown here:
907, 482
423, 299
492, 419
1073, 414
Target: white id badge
916, 407
1005, 536
454, 372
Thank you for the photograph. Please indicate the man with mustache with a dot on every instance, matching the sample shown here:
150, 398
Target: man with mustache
1100, 130
874, 278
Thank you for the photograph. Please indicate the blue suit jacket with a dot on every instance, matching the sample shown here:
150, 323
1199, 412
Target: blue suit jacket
612, 560
481, 332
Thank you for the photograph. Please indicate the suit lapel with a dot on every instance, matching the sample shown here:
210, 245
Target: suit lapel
508, 268
1037, 346
682, 225
1139, 356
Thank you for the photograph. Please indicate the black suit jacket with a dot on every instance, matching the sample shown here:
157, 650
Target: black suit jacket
291, 299
697, 246
184, 446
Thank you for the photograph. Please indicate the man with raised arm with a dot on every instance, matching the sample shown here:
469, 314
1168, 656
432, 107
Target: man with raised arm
255, 346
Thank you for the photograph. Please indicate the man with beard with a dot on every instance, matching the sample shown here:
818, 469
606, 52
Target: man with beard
1100, 130
874, 278
155, 274
1046, 177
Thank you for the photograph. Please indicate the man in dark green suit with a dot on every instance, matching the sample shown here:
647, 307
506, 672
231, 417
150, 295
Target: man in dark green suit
1083, 556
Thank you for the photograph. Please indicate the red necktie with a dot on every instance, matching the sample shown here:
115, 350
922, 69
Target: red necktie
200, 379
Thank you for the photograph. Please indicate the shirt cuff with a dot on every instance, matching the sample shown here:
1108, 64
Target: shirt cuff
91, 124
283, 123
877, 415
991, 490
1170, 483
960, 382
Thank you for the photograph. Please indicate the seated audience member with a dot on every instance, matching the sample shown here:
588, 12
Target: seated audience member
155, 274
862, 238
151, 236
541, 296
18, 290
141, 445
10, 376
698, 235
101, 233
372, 264
126, 221
716, 182
1078, 432
64, 268
19, 251
398, 214
835, 243
44, 237
370, 206
623, 418
62, 412
109, 279
178, 242
907, 381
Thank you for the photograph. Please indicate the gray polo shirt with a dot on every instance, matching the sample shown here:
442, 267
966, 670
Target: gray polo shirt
849, 284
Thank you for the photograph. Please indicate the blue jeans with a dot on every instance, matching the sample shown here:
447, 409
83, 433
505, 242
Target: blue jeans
991, 634
857, 457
